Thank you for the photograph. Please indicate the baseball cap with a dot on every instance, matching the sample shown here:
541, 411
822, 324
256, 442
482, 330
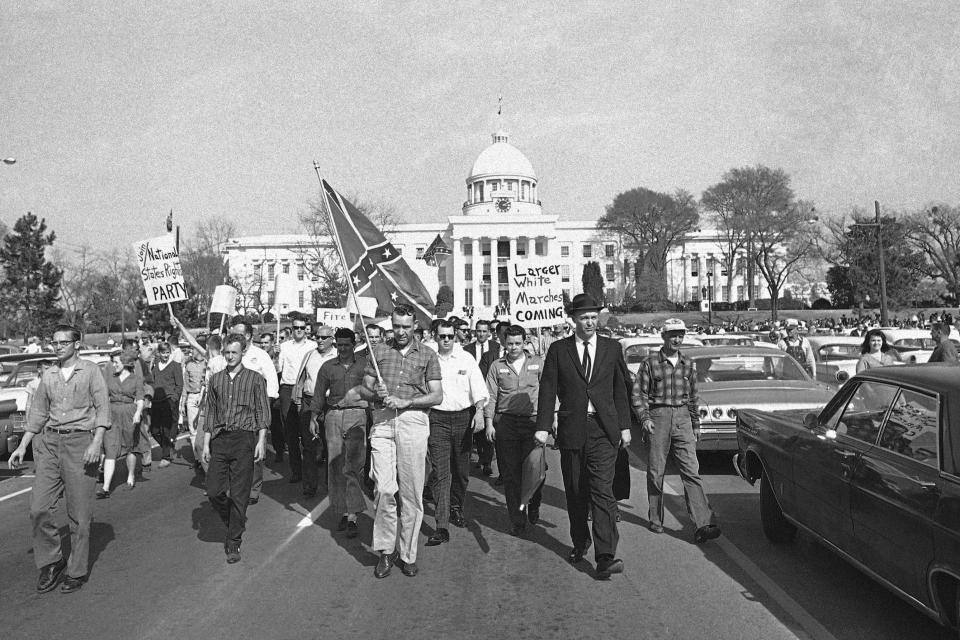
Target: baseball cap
673, 324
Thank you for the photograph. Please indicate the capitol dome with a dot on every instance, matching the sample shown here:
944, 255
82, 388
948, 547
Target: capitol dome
501, 159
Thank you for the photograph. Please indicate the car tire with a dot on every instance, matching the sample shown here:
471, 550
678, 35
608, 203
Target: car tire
776, 527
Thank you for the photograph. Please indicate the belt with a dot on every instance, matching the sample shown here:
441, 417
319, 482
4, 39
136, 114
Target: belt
344, 408
669, 406
63, 432
307, 396
450, 412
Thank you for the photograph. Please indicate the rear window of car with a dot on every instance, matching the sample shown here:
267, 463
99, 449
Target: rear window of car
839, 352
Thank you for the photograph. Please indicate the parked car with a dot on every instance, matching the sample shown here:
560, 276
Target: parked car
913, 345
874, 475
719, 340
836, 357
637, 348
11, 427
732, 379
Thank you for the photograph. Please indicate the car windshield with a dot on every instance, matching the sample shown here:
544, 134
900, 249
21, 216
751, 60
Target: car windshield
734, 368
634, 354
732, 341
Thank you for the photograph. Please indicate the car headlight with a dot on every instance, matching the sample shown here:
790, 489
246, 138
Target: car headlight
703, 414
732, 413
717, 414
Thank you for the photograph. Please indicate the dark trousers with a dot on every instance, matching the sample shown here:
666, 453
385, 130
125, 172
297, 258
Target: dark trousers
515, 441
229, 479
163, 426
277, 438
448, 449
307, 468
588, 483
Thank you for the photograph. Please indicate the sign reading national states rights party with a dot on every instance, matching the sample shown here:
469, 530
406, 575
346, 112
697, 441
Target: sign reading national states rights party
159, 264
536, 296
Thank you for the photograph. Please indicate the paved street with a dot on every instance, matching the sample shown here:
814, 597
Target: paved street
158, 571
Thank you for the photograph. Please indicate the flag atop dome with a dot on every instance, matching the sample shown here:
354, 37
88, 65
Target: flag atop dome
375, 267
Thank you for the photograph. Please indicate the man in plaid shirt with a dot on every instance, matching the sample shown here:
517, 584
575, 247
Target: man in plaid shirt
665, 399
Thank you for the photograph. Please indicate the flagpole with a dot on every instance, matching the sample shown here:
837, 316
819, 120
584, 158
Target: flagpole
346, 270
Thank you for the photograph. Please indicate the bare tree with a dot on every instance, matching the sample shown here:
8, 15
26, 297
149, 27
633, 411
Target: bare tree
935, 232
726, 205
77, 286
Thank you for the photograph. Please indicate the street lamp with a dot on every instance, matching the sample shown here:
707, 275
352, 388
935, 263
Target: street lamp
878, 225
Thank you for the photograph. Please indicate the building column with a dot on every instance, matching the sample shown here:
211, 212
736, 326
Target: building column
477, 272
531, 246
457, 282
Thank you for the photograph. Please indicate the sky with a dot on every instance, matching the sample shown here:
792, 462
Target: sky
119, 112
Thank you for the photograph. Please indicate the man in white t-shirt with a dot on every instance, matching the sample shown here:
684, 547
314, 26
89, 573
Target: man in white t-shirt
289, 363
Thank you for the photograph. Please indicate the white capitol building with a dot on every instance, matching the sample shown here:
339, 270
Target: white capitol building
502, 220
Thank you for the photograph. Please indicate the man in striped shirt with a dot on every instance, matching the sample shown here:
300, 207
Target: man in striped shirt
238, 416
665, 400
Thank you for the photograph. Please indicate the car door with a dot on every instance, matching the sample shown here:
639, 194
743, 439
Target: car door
895, 491
824, 460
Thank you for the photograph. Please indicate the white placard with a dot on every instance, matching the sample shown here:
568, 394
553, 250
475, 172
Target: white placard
334, 317
368, 306
159, 264
536, 297
224, 300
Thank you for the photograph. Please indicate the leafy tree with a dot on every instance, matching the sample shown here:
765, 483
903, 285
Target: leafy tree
841, 289
444, 301
649, 224
330, 293
31, 285
592, 281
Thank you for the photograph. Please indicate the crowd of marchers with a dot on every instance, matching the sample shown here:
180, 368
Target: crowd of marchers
389, 415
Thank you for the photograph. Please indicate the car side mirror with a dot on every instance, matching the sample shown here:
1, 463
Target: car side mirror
811, 421
842, 376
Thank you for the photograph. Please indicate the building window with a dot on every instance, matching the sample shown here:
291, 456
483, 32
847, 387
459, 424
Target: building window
587, 251
286, 267
565, 251
566, 293
466, 248
695, 267
503, 248
486, 273
442, 273
271, 297
468, 272
502, 277
271, 271
420, 251
485, 292
541, 247
300, 299
468, 297
564, 273
485, 248
611, 293
609, 274
740, 292
723, 294
695, 294
740, 267
608, 250
509, 185
504, 298
522, 247
524, 190
300, 271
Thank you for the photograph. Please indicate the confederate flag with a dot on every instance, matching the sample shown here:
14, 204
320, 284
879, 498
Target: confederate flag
376, 268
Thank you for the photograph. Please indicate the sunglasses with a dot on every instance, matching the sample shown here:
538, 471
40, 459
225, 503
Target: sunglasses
296, 328
445, 337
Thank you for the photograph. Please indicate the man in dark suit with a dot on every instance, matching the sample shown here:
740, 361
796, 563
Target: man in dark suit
494, 351
586, 372
483, 344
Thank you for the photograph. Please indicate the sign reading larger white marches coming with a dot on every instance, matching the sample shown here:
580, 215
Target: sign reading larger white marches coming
159, 264
536, 295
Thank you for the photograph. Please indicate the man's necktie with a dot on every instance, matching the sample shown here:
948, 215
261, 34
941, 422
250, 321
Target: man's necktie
586, 360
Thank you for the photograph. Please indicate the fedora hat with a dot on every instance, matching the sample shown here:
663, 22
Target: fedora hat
583, 302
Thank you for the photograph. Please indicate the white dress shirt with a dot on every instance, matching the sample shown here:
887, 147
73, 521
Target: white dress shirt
463, 385
591, 344
256, 359
291, 357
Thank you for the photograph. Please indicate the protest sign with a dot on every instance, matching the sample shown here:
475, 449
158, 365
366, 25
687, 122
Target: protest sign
536, 296
159, 263
334, 317
368, 306
224, 300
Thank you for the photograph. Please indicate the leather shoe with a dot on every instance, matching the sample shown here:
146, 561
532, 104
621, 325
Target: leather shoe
439, 537
533, 513
456, 519
576, 554
342, 525
517, 530
409, 569
253, 500
50, 576
233, 554
72, 584
706, 532
384, 565
608, 565
655, 528
352, 529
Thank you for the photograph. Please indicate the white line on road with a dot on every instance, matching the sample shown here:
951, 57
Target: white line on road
15, 494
